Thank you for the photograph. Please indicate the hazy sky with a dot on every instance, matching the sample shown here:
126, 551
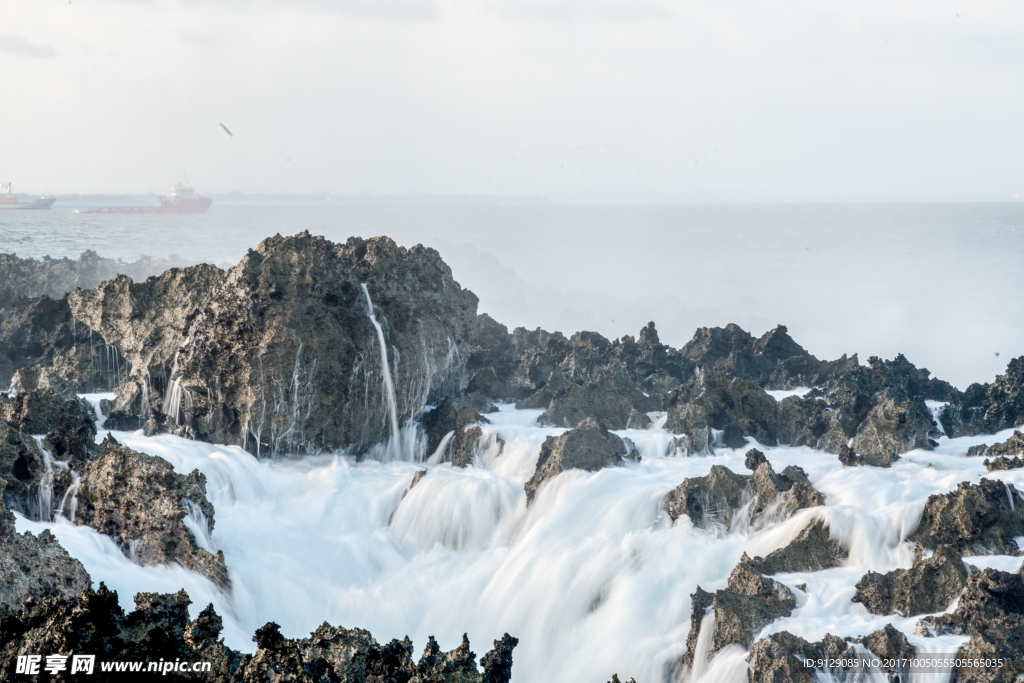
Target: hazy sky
601, 100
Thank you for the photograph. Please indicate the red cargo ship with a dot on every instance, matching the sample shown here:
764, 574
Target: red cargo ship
183, 199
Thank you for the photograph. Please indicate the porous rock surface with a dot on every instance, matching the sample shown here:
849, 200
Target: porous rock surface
712, 501
1012, 446
588, 447
35, 566
138, 500
929, 586
975, 519
812, 550
748, 604
781, 657
991, 612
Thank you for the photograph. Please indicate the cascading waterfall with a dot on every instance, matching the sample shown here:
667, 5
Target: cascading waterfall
394, 450
45, 497
591, 576
172, 397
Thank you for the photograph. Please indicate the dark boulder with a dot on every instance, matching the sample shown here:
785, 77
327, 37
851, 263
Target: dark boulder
737, 407
991, 612
588, 447
748, 604
848, 457
891, 428
1003, 463
35, 566
784, 658
609, 396
712, 501
812, 550
1012, 446
929, 586
989, 408
753, 460
976, 519
141, 502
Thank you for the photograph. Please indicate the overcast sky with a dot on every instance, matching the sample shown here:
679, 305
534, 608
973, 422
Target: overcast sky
601, 100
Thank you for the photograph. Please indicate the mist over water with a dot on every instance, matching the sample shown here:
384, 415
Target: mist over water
937, 282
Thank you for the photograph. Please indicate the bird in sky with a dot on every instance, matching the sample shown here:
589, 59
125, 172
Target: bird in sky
226, 130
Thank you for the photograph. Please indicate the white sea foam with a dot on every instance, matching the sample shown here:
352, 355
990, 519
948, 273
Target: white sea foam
592, 577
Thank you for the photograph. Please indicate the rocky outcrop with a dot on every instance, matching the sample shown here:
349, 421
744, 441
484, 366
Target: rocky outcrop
782, 657
453, 424
929, 586
1003, 463
711, 501
976, 519
22, 468
1012, 446
892, 427
588, 447
35, 566
738, 408
753, 459
748, 604
989, 408
991, 612
94, 623
141, 503
28, 278
340, 654
812, 550
848, 457
610, 396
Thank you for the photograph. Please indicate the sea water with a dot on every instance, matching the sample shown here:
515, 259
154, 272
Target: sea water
592, 577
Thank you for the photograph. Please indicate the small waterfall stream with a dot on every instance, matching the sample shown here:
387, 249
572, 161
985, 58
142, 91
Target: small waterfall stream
394, 444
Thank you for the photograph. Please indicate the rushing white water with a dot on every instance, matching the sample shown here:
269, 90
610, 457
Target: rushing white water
592, 577
394, 449
45, 494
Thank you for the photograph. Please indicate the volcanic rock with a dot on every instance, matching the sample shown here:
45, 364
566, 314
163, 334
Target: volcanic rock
455, 416
1012, 446
737, 407
848, 457
892, 427
976, 519
711, 501
140, 502
748, 604
930, 585
21, 469
812, 550
588, 447
989, 408
1003, 463
991, 612
610, 397
754, 459
781, 657
35, 566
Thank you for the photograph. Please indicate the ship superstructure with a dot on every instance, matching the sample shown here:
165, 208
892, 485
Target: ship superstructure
183, 199
9, 201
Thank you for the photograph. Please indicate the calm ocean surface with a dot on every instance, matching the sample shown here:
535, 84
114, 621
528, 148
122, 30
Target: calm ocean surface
942, 283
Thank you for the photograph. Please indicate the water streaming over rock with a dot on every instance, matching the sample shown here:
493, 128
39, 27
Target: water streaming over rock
394, 450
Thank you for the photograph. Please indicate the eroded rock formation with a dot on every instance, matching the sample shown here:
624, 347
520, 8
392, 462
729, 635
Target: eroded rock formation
588, 447
976, 519
812, 550
929, 586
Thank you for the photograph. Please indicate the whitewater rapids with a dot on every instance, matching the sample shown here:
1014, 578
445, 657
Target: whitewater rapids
592, 578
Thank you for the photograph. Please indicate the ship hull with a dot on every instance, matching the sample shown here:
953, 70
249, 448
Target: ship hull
178, 205
37, 205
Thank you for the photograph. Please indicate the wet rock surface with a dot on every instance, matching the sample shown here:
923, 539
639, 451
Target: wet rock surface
781, 657
991, 612
712, 501
1012, 446
738, 407
812, 550
929, 586
35, 566
453, 425
989, 408
141, 502
1003, 463
748, 604
976, 519
588, 447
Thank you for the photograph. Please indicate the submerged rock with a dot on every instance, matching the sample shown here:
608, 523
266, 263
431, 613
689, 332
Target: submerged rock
1012, 446
35, 566
976, 519
929, 586
783, 658
991, 612
748, 604
712, 501
140, 502
588, 447
812, 550
1003, 463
